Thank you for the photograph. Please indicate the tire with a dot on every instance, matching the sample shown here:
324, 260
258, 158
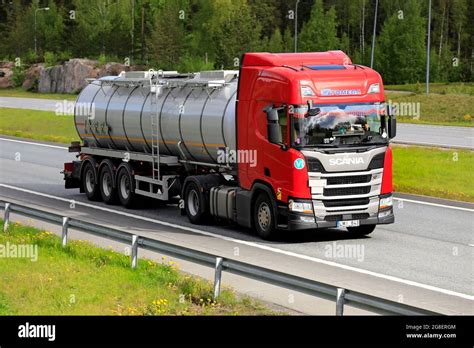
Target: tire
363, 230
125, 187
264, 217
108, 188
89, 182
195, 203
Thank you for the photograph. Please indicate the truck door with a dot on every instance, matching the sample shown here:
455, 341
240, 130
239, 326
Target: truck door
276, 157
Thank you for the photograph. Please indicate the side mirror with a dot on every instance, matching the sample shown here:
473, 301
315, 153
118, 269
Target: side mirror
391, 113
392, 126
273, 127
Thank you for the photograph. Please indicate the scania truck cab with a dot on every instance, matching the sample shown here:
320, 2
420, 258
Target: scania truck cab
321, 132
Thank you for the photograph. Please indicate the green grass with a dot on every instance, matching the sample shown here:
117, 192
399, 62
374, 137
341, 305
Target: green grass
38, 125
436, 87
82, 279
449, 109
433, 172
21, 93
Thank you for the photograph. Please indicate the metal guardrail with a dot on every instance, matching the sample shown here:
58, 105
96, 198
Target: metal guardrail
220, 264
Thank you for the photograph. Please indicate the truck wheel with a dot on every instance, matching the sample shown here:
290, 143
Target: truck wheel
125, 187
108, 190
194, 203
361, 230
89, 182
264, 217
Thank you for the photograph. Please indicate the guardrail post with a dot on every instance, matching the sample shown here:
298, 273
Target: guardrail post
65, 231
341, 293
217, 277
6, 217
134, 251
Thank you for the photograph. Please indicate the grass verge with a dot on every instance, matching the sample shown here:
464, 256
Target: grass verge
449, 109
433, 172
38, 125
436, 87
21, 93
82, 279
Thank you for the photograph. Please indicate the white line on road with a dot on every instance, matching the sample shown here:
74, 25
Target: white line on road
253, 244
399, 199
433, 204
35, 144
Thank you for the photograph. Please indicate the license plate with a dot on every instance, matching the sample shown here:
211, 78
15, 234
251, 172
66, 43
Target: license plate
349, 223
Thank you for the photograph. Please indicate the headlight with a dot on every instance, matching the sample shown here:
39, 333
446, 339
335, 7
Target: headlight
374, 88
307, 91
386, 202
300, 207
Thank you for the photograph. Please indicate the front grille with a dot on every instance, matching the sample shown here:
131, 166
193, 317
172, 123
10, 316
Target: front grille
346, 202
346, 191
345, 180
350, 217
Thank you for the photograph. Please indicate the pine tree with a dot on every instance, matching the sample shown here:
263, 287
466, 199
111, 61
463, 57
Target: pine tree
275, 43
319, 33
400, 54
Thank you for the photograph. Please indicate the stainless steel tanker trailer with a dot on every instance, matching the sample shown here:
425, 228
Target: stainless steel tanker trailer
311, 128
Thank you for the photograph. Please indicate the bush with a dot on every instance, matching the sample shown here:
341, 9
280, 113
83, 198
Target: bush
50, 59
31, 57
194, 64
18, 76
64, 56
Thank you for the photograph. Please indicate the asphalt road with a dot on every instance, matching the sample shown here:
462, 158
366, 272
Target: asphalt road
443, 136
30, 103
425, 258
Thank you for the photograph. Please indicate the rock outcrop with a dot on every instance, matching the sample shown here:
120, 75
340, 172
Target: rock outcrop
6, 73
70, 76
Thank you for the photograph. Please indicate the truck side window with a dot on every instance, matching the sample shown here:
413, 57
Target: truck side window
283, 121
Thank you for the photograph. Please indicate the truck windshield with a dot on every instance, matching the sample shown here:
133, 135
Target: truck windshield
338, 125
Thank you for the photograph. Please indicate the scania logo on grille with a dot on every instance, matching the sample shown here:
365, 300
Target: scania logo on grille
346, 160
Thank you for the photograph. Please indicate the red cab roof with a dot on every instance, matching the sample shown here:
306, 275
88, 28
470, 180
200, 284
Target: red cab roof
296, 59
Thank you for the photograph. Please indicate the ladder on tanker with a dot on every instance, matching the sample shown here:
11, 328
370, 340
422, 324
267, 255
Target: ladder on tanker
154, 115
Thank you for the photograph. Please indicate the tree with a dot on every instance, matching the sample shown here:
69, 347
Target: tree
235, 31
275, 43
319, 33
400, 54
167, 41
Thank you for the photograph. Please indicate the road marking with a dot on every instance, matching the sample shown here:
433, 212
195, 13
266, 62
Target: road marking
433, 204
252, 244
32, 143
400, 199
446, 146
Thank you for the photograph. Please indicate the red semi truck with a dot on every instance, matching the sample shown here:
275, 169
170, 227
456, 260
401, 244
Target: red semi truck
289, 142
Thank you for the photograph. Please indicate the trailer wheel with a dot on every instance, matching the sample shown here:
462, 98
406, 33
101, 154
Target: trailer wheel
194, 203
125, 190
264, 217
108, 189
363, 230
89, 182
